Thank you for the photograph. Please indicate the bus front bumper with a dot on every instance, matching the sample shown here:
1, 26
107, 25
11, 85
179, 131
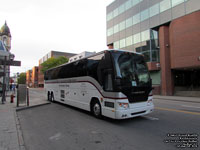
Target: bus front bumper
134, 112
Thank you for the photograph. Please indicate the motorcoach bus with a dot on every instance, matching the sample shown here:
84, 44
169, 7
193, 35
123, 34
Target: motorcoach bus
112, 83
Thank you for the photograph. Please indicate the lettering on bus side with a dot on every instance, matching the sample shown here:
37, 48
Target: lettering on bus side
64, 85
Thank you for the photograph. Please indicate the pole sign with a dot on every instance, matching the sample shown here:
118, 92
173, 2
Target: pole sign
10, 63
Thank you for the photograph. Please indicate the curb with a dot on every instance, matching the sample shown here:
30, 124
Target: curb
170, 99
19, 133
28, 107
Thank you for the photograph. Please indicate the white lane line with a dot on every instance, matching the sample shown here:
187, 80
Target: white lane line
150, 118
189, 106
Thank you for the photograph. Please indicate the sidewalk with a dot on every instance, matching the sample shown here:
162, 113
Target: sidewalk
10, 132
9, 139
178, 98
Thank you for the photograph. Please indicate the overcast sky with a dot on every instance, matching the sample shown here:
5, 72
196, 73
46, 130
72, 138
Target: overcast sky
39, 26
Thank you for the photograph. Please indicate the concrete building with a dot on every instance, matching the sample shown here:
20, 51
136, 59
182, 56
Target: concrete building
51, 54
167, 32
81, 55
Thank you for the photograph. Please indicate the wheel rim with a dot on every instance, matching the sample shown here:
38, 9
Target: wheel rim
97, 109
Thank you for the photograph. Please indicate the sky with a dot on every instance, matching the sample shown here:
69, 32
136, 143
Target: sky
39, 26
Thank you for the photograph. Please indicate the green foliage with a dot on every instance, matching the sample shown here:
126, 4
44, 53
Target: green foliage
53, 62
22, 78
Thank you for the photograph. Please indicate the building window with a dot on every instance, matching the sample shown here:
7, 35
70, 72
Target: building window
110, 16
110, 32
145, 35
121, 8
136, 38
122, 26
136, 19
176, 2
115, 12
128, 22
116, 28
154, 10
122, 43
135, 2
129, 40
128, 4
145, 14
165, 5
116, 45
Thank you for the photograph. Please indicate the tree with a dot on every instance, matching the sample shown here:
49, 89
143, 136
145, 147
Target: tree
22, 78
53, 62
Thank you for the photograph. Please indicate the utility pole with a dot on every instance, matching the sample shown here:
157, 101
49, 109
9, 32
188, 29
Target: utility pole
4, 82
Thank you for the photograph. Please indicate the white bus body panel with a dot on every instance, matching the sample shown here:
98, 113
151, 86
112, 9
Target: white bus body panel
79, 94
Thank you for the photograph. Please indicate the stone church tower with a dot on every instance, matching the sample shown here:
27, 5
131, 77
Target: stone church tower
5, 36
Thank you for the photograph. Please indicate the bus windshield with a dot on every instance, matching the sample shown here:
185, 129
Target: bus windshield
131, 68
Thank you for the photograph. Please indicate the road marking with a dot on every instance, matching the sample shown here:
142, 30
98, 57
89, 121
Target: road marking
150, 118
189, 106
187, 112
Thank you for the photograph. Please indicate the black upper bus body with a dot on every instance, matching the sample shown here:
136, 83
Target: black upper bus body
114, 70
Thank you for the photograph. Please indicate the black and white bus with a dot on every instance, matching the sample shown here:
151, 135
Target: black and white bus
112, 83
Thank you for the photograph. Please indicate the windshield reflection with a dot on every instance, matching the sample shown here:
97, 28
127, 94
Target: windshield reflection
131, 68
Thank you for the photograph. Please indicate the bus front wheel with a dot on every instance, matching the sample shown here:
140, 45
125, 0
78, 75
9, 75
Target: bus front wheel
96, 109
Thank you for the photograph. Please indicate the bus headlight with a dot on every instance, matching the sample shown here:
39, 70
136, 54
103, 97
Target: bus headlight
149, 102
124, 105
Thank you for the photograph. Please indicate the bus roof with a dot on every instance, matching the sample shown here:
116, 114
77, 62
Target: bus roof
119, 50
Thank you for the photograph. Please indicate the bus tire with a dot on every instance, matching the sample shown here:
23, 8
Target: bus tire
52, 97
49, 96
96, 109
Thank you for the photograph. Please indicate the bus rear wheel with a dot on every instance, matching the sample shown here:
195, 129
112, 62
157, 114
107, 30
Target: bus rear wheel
49, 96
52, 97
96, 109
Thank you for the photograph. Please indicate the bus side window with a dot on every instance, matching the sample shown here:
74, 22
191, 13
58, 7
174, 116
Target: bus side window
107, 80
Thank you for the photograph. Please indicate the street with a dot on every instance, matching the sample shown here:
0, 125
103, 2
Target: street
61, 127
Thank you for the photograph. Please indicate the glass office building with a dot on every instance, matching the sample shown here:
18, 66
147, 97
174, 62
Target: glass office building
139, 25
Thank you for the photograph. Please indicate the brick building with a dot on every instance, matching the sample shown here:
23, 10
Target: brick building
34, 78
167, 32
29, 78
54, 54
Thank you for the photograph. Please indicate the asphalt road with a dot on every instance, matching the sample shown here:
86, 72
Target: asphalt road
61, 127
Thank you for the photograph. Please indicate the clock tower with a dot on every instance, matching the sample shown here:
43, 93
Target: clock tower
5, 36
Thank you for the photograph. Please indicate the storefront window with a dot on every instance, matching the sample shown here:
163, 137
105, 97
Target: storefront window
155, 51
